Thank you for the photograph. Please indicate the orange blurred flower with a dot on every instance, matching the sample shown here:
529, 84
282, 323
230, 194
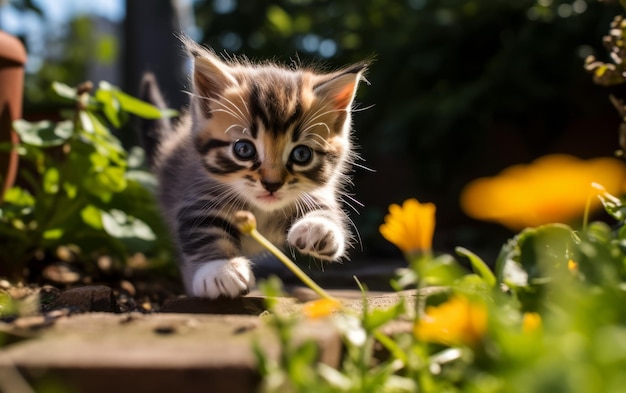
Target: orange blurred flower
457, 321
553, 188
531, 322
320, 308
410, 226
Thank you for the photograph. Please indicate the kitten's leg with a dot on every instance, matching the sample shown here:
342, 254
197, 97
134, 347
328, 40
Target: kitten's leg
211, 266
319, 233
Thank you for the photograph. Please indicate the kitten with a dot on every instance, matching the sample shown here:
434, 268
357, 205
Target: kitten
260, 137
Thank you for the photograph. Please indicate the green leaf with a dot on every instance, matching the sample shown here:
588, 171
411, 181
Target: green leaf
299, 364
8, 306
51, 180
280, 20
441, 270
110, 106
65, 91
613, 206
53, 234
131, 104
44, 133
105, 181
137, 107
19, 197
92, 216
130, 230
86, 122
272, 289
479, 266
377, 317
71, 190
534, 258
103, 141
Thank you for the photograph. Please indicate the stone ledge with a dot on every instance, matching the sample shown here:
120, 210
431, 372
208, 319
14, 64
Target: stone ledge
165, 352
104, 352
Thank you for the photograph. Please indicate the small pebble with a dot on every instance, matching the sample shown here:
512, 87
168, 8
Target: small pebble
165, 329
56, 314
128, 287
105, 263
61, 272
65, 254
33, 322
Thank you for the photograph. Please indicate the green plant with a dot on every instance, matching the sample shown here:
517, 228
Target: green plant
78, 187
549, 318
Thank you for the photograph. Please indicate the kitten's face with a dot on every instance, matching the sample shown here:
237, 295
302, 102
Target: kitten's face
271, 135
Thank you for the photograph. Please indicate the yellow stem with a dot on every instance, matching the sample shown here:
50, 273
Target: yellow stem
290, 265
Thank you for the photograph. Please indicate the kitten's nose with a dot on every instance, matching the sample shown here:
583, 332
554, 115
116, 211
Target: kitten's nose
271, 186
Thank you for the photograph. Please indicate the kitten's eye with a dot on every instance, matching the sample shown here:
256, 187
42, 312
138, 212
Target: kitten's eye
244, 149
301, 154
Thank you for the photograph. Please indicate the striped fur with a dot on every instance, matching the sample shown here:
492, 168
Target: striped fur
260, 137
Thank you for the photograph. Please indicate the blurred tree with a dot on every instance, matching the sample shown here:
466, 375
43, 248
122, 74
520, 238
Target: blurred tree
459, 88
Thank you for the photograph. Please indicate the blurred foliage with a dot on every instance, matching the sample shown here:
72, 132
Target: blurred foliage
79, 188
67, 59
459, 89
59, 52
613, 73
549, 319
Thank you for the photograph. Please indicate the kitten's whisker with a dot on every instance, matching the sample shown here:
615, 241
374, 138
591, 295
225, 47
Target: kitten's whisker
306, 130
232, 106
357, 234
353, 199
357, 109
317, 115
314, 116
364, 167
229, 111
243, 101
243, 129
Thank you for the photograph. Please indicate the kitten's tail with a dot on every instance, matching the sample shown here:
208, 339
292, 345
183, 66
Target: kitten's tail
152, 129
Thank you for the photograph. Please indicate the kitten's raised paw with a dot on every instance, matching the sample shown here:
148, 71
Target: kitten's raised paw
317, 236
224, 277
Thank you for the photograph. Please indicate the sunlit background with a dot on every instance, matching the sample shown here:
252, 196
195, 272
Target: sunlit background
458, 89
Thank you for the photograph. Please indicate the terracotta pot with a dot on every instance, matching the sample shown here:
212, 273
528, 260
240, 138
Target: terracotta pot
12, 61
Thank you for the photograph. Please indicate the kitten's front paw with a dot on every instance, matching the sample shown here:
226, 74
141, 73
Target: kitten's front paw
224, 277
317, 236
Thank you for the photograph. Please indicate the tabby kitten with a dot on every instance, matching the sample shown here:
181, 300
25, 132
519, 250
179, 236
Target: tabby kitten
260, 137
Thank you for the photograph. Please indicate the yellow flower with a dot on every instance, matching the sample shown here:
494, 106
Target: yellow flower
531, 322
320, 308
410, 226
572, 266
553, 188
457, 321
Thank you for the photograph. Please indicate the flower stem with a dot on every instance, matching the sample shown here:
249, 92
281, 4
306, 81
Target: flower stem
587, 208
290, 265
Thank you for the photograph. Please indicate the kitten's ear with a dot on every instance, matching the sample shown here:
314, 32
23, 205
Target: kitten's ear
340, 87
211, 75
